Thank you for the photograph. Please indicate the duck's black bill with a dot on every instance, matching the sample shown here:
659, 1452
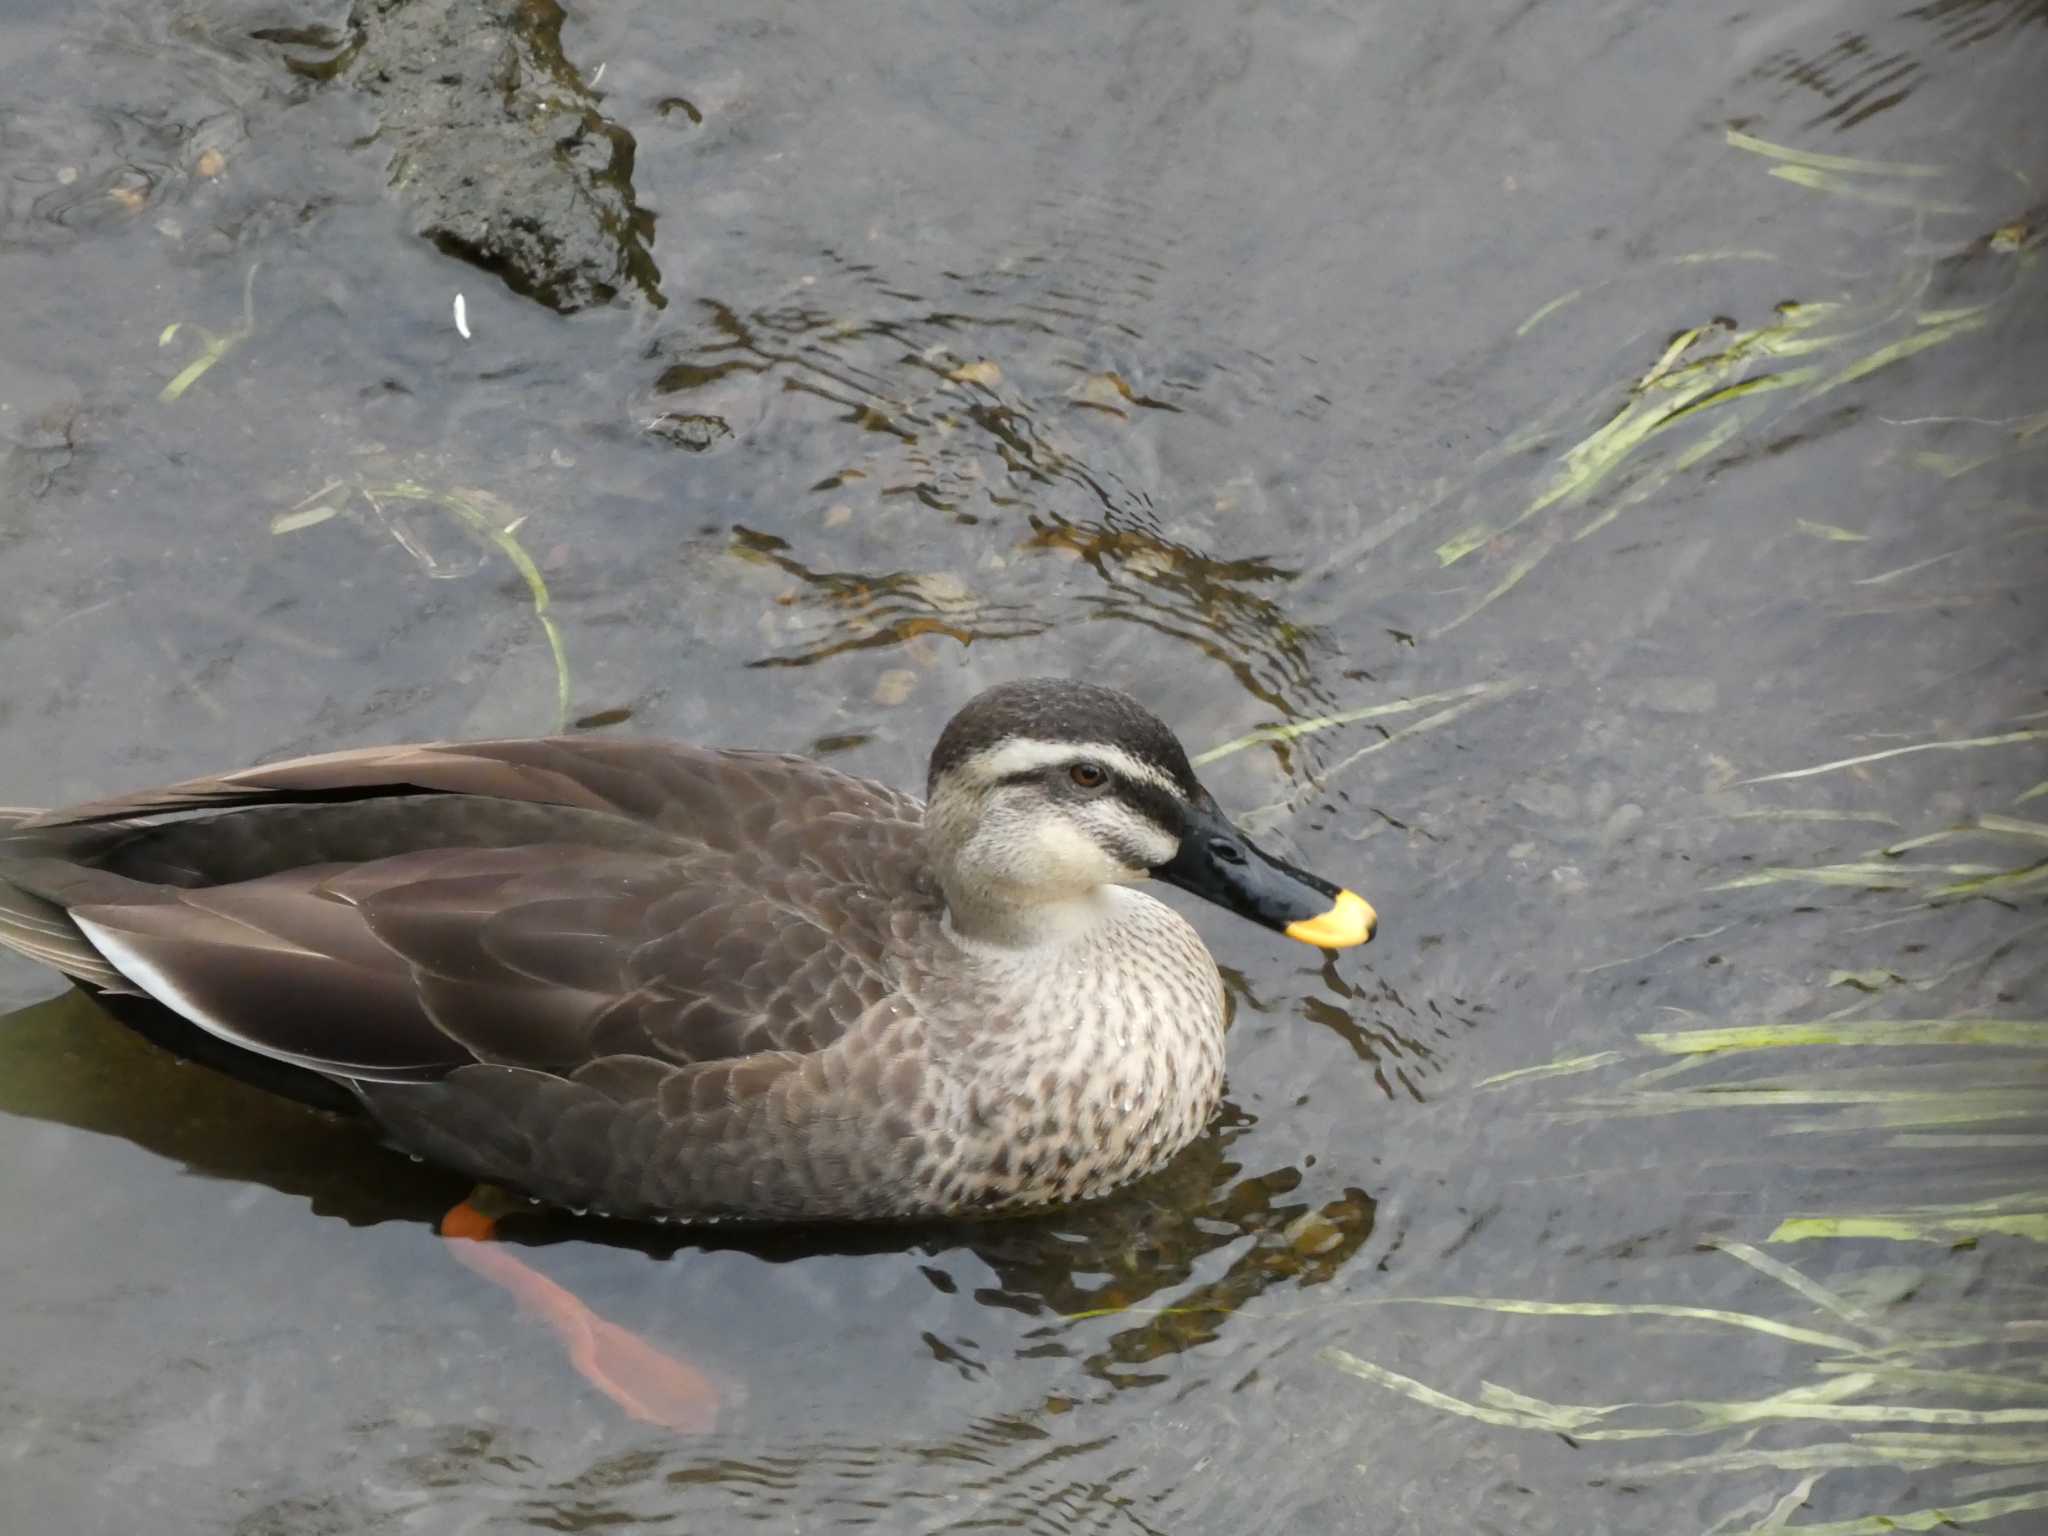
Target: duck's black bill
1219, 863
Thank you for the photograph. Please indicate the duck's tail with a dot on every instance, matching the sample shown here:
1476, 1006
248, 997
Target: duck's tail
35, 926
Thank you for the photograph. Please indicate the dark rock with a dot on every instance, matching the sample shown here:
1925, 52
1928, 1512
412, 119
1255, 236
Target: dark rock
500, 148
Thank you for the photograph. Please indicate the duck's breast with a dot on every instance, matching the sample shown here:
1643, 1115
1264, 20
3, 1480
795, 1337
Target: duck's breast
1065, 1074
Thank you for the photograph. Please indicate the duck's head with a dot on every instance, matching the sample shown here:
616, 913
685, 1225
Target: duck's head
1044, 791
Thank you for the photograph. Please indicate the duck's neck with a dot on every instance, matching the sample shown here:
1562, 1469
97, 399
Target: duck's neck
997, 918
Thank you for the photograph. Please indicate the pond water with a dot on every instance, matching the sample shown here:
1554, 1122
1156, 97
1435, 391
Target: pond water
1613, 432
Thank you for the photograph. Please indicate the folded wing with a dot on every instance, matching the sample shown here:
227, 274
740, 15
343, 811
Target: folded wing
394, 915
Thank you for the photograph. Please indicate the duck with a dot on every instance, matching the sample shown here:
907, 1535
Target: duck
662, 981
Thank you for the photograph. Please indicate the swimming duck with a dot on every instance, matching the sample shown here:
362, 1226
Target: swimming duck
665, 981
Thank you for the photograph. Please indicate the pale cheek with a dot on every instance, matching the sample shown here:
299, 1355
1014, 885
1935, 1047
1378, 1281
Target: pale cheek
1157, 848
1063, 854
1052, 856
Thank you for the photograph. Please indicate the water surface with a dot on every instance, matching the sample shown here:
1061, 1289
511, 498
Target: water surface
1629, 406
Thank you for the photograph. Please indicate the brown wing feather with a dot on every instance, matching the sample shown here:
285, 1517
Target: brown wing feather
398, 913
719, 796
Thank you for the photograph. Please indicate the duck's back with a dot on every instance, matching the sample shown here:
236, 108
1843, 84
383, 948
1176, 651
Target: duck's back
612, 974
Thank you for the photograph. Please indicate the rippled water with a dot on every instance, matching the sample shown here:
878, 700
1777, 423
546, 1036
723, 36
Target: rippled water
1611, 413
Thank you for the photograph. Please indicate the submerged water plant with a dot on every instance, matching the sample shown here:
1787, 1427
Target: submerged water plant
213, 345
1877, 1383
1875, 1231
479, 515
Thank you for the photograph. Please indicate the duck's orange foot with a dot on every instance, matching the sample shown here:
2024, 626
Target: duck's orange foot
650, 1384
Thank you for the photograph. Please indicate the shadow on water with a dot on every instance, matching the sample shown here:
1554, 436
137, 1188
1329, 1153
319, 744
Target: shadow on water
1095, 1301
67, 1062
1073, 1296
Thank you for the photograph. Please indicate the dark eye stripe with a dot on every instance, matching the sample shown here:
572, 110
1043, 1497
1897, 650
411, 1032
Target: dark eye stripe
1153, 803
1149, 800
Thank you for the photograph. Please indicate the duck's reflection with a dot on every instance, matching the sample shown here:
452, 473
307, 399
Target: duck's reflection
67, 1061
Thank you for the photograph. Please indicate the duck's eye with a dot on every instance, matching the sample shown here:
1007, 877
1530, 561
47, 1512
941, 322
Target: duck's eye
1088, 775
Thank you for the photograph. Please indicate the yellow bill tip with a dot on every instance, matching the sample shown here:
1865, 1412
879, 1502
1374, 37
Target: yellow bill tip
1350, 920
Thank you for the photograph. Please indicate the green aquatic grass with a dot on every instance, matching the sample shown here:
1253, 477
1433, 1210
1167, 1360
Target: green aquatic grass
1566, 1068
1717, 379
1881, 183
1935, 1390
1898, 573
1829, 531
1545, 311
1715, 1316
1889, 869
1663, 396
1821, 1403
1897, 1386
1710, 384
1851, 1109
1871, 877
2005, 883
2030, 532
1295, 730
1933, 1519
1456, 703
1877, 1397
1710, 443
2030, 1033
1933, 334
486, 519
1813, 161
213, 346
1990, 825
478, 514
313, 510
2020, 1216
1962, 744
1876, 194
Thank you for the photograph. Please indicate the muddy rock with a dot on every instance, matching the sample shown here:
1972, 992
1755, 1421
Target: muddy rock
500, 147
